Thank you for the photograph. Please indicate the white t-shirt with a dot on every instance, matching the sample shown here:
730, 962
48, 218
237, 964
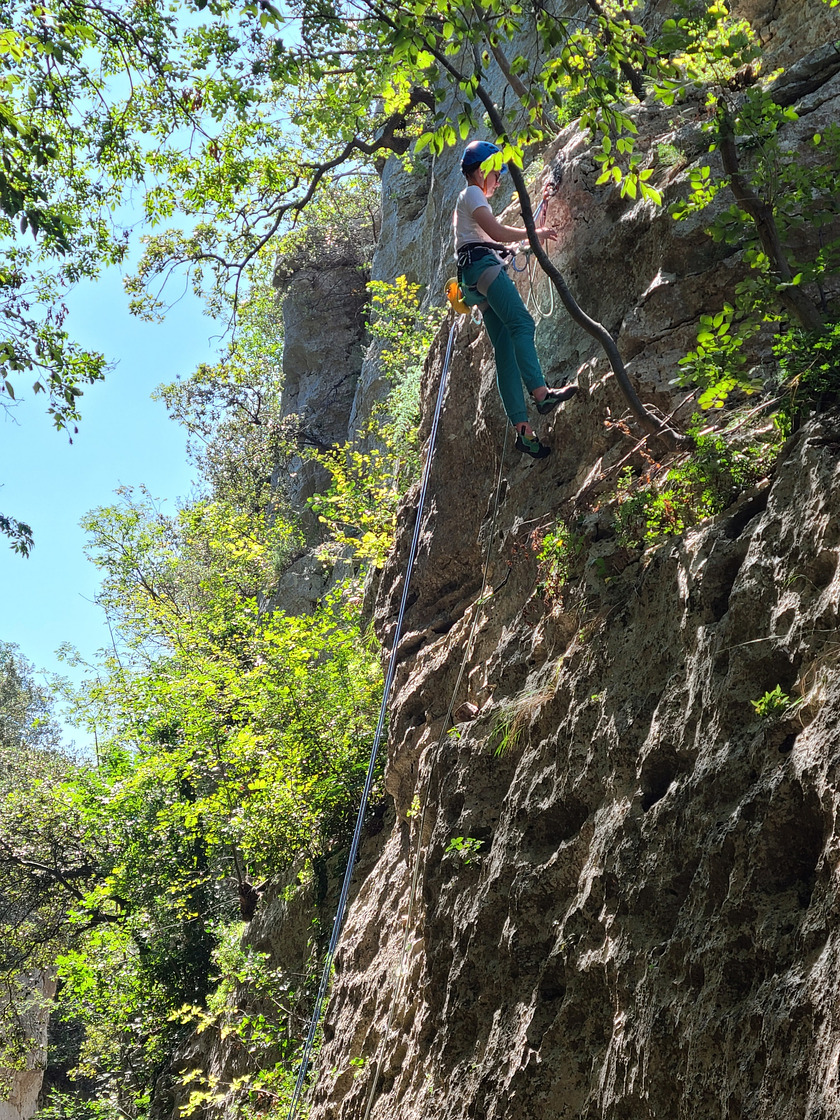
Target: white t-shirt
470, 199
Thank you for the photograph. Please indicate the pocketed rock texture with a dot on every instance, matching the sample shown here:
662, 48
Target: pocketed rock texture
649, 928
638, 918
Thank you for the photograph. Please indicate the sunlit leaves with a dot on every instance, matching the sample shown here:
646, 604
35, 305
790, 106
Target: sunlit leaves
367, 482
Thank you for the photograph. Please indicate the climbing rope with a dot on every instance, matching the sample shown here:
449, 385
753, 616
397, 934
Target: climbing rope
389, 678
532, 303
531, 300
415, 875
354, 847
477, 614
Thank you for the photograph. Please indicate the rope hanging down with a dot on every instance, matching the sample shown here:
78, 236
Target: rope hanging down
531, 301
417, 863
389, 678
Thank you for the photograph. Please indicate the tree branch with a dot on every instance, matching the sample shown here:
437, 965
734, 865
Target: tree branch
632, 75
519, 88
790, 295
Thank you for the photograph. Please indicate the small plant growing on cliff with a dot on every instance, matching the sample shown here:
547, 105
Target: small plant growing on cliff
465, 847
561, 558
358, 1066
644, 512
507, 729
774, 703
702, 484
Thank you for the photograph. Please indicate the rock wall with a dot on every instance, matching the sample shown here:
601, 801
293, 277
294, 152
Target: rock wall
22, 1101
643, 923
650, 926
324, 305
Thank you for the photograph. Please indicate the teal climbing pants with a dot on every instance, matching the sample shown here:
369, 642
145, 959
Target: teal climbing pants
511, 330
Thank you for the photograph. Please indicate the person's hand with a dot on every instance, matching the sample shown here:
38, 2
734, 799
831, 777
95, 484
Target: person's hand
547, 233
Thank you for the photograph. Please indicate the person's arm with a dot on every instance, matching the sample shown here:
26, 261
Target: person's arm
484, 217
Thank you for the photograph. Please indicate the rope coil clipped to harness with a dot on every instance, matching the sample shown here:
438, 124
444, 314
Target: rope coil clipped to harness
377, 739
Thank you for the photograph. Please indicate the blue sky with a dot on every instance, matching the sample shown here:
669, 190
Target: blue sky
124, 438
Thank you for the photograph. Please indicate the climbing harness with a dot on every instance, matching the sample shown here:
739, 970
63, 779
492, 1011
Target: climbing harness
389, 678
473, 251
415, 875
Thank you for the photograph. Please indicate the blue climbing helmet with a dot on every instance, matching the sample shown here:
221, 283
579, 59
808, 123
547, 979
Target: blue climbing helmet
476, 152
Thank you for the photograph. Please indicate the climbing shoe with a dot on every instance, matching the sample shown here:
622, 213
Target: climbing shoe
555, 397
530, 445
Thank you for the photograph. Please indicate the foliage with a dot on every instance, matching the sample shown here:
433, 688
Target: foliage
69, 149
782, 200
19, 534
467, 848
704, 483
341, 223
718, 363
773, 703
231, 743
231, 410
34, 825
267, 716
367, 482
231, 758
26, 720
252, 1008
404, 330
809, 367
360, 506
561, 557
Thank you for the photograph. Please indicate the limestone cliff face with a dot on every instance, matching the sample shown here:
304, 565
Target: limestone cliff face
21, 1101
648, 927
651, 926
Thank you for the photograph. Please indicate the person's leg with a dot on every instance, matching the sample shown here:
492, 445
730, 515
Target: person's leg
507, 305
508, 379
511, 331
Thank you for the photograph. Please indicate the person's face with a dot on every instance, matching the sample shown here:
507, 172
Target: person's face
491, 182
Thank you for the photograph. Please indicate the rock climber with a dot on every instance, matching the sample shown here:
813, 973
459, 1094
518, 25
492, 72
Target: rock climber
479, 244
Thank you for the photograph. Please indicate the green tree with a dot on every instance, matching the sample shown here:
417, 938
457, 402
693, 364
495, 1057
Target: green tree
425, 68
67, 153
232, 744
44, 855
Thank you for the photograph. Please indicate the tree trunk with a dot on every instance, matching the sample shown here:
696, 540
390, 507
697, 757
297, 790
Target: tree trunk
790, 295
